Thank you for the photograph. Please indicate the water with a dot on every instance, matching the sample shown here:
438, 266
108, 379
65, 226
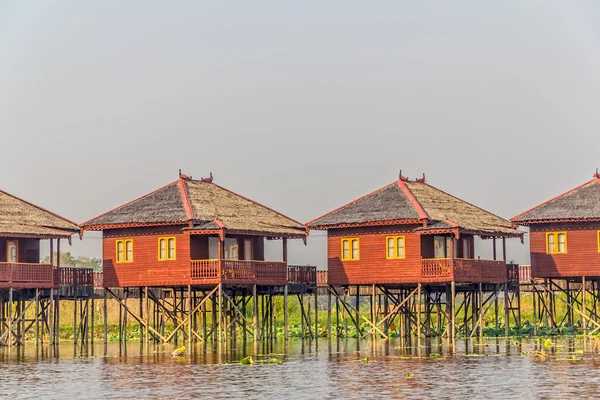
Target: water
336, 370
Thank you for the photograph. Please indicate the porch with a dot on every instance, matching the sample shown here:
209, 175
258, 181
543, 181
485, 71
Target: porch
464, 270
250, 272
42, 276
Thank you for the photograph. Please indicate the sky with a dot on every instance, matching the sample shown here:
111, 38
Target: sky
302, 106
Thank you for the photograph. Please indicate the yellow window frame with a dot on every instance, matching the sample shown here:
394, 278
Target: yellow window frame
350, 240
387, 248
598, 237
555, 235
124, 243
166, 239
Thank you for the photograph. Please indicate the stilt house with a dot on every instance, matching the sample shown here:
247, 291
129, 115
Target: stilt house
192, 232
410, 232
564, 233
22, 227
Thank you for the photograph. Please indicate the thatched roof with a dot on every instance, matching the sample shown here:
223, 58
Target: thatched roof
389, 203
201, 204
413, 202
21, 218
578, 204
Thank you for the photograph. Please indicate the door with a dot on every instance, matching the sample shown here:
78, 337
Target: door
12, 251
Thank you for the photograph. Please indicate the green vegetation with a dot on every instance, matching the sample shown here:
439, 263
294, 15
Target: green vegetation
345, 328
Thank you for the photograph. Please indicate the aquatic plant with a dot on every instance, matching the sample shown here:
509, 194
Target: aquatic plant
247, 361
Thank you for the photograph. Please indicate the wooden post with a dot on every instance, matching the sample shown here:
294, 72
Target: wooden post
506, 311
141, 314
37, 321
75, 319
10, 317
93, 317
189, 309
255, 313
51, 317
51, 252
220, 326
105, 317
504, 249
419, 312
583, 304
453, 310
316, 320
328, 314
494, 244
357, 305
285, 313
480, 313
373, 310
147, 315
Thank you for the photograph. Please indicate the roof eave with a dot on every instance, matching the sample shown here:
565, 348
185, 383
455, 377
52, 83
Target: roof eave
367, 224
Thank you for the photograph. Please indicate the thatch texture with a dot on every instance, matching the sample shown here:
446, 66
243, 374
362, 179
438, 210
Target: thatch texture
387, 204
19, 216
392, 203
441, 206
211, 202
33, 231
581, 203
164, 205
201, 203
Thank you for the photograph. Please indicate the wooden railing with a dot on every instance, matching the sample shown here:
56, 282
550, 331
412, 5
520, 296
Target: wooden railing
239, 271
465, 270
75, 276
301, 274
436, 267
475, 270
321, 278
98, 279
22, 274
205, 269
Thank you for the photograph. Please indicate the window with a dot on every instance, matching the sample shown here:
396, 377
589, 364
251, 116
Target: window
350, 249
125, 250
248, 255
556, 242
12, 251
166, 248
395, 247
231, 249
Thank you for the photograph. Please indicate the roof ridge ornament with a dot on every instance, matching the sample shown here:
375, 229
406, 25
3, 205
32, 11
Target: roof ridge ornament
184, 176
208, 180
422, 180
597, 175
402, 178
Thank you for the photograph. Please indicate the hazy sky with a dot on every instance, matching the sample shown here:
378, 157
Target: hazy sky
302, 106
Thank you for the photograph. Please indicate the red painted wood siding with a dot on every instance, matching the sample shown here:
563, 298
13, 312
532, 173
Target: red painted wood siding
582, 258
373, 267
146, 269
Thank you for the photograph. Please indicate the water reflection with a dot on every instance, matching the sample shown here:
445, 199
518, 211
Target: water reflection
348, 368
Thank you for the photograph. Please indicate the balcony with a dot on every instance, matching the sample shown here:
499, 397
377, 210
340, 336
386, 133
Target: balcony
464, 270
42, 276
239, 272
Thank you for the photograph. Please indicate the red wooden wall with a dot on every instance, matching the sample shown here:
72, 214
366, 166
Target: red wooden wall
373, 267
146, 269
582, 258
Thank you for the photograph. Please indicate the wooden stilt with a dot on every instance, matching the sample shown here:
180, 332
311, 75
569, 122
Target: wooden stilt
105, 318
285, 313
453, 312
255, 313
328, 314
419, 312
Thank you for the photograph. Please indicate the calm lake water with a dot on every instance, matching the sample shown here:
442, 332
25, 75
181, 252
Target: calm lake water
336, 370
